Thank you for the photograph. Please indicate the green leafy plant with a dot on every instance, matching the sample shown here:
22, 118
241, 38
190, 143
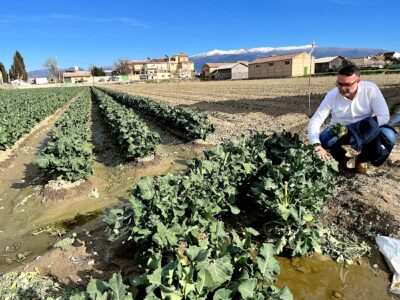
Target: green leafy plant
99, 289
21, 110
218, 265
291, 192
69, 151
133, 135
338, 130
191, 123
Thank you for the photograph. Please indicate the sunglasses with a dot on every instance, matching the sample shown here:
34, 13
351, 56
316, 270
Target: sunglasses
339, 84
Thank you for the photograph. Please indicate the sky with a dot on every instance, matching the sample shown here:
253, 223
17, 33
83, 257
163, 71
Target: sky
84, 32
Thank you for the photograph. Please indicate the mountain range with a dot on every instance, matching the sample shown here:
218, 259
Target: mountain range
255, 53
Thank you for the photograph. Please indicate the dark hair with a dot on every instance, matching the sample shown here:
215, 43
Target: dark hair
349, 70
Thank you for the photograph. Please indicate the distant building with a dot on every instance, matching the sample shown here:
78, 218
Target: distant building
76, 75
297, 64
232, 71
387, 56
368, 62
136, 67
208, 68
329, 64
181, 66
41, 80
156, 69
176, 66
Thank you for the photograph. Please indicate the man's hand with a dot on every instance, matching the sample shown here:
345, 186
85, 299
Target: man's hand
325, 155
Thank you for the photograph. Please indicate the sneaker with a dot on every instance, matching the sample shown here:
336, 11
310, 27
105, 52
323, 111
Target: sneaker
361, 168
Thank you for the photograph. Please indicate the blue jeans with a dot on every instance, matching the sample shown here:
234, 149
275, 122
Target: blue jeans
375, 152
327, 140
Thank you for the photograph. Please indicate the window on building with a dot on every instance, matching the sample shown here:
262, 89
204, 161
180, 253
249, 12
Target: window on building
270, 64
287, 62
257, 66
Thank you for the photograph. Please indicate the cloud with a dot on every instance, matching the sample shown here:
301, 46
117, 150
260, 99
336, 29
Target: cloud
133, 22
122, 20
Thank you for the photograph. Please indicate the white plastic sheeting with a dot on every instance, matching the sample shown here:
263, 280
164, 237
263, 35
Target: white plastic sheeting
390, 248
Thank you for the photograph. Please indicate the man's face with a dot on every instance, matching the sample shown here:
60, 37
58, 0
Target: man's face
347, 85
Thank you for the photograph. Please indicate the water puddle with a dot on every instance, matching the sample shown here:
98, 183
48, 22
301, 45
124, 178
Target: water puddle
319, 277
31, 223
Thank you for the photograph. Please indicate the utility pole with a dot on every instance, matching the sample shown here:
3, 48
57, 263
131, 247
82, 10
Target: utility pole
58, 69
309, 78
168, 65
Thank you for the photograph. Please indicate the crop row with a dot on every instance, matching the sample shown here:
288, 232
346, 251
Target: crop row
181, 225
69, 151
192, 124
21, 110
132, 134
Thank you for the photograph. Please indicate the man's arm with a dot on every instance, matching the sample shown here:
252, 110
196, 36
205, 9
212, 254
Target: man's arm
315, 123
379, 107
318, 119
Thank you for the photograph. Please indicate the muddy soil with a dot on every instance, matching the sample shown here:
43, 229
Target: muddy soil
368, 204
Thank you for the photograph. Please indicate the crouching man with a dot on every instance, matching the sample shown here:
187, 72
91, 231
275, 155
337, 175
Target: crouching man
361, 107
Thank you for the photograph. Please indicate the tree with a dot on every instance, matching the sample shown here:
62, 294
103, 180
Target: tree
17, 70
51, 64
96, 71
3, 73
121, 67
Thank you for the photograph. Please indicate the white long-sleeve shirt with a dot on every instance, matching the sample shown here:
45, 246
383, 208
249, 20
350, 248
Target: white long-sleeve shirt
368, 102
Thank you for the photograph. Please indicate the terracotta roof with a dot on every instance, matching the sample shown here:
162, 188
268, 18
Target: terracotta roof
275, 58
76, 74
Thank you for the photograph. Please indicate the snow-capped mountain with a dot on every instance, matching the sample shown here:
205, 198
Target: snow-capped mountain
252, 50
254, 53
